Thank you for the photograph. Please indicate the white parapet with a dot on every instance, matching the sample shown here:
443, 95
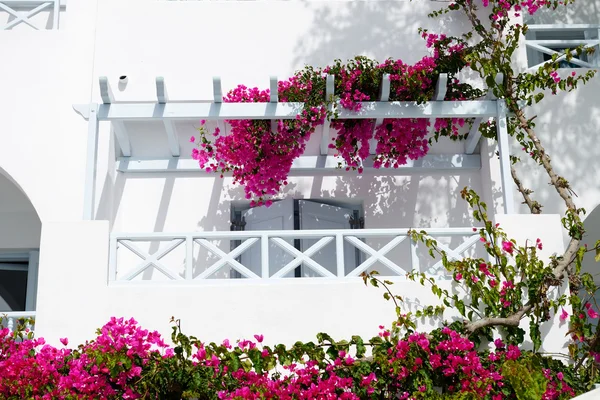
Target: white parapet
547, 228
75, 296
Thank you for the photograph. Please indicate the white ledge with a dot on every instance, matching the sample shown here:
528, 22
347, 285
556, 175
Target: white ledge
224, 111
312, 165
30, 3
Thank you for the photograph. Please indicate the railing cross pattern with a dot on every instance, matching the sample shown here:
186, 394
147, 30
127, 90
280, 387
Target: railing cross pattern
376, 255
303, 257
456, 253
24, 18
227, 258
151, 259
561, 56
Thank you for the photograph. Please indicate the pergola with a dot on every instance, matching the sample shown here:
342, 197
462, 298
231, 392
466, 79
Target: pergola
168, 111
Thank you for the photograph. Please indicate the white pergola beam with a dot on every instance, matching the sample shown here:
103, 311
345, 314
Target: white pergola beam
315, 165
505, 163
161, 90
384, 95
118, 125
217, 90
474, 134
218, 99
441, 88
89, 195
329, 92
163, 98
273, 98
274, 90
215, 111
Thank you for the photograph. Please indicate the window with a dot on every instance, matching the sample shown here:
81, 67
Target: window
543, 41
18, 281
293, 214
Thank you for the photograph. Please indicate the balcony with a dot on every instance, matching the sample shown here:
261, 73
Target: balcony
274, 254
543, 41
17, 319
31, 13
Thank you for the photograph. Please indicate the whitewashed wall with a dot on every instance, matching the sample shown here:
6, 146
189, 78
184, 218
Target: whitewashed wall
75, 298
43, 141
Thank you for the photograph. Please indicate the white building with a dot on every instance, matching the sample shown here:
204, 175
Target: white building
95, 200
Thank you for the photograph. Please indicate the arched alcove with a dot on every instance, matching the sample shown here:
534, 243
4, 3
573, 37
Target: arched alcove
20, 229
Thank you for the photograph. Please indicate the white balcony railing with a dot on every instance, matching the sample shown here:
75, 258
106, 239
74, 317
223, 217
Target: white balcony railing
13, 319
280, 254
546, 40
23, 11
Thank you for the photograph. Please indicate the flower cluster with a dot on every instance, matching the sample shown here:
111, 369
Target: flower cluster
259, 153
128, 362
106, 367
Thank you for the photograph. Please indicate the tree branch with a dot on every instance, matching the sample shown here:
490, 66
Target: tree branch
512, 320
534, 206
560, 184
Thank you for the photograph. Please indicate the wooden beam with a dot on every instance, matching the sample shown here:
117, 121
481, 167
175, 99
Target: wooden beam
273, 98
218, 99
441, 88
118, 126
384, 95
474, 134
89, 195
329, 93
163, 98
222, 111
316, 165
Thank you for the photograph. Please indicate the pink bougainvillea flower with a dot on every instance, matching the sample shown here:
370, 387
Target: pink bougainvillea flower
564, 315
259, 338
508, 246
64, 341
592, 313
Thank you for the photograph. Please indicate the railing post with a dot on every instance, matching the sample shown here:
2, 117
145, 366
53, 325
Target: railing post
189, 258
56, 12
339, 255
264, 256
112, 258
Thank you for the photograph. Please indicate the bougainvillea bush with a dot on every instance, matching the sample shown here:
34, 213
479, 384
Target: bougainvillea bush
260, 157
125, 361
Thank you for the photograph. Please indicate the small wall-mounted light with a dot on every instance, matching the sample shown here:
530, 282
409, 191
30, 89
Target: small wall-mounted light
123, 79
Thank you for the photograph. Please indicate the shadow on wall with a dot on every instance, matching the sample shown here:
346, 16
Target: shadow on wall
378, 29
580, 12
592, 227
567, 125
